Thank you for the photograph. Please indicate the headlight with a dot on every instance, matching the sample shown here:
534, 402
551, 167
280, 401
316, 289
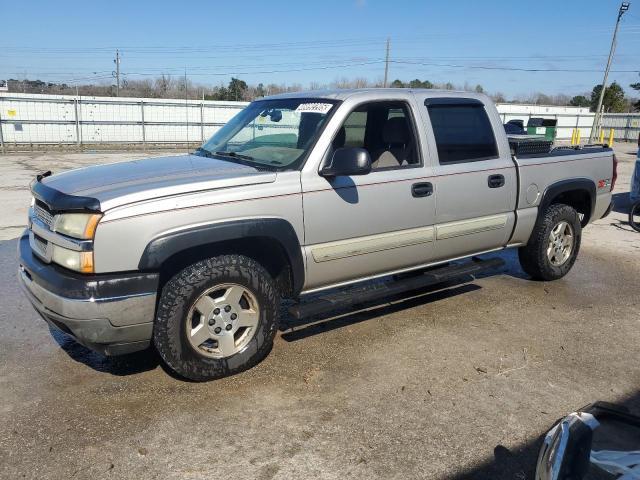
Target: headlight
77, 225
78, 261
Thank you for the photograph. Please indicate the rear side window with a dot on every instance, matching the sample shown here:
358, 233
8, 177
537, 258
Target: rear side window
463, 131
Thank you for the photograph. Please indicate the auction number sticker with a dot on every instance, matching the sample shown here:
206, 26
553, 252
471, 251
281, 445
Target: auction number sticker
314, 107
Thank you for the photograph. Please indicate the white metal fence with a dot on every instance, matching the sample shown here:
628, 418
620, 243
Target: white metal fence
56, 119
35, 120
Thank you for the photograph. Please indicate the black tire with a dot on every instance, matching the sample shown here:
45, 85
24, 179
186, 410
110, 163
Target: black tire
533, 257
180, 293
634, 216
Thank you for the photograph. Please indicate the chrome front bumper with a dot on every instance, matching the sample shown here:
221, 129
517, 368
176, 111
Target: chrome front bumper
112, 314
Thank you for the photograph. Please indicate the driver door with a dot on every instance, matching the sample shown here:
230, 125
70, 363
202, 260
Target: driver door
367, 225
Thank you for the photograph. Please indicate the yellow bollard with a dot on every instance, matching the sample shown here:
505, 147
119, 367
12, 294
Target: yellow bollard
611, 137
601, 136
573, 135
578, 137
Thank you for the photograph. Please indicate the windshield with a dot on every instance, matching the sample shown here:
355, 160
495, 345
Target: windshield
270, 133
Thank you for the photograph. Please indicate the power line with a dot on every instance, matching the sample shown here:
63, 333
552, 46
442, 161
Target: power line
326, 67
428, 61
512, 69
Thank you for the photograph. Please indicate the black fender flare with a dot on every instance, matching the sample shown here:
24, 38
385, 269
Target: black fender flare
572, 184
163, 247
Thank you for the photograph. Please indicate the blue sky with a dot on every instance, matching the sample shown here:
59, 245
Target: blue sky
304, 41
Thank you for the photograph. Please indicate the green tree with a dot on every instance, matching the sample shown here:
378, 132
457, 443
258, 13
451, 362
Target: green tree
479, 89
420, 84
237, 88
580, 101
221, 93
397, 84
613, 100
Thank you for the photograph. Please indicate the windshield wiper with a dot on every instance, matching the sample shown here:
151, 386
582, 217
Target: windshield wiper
234, 155
203, 152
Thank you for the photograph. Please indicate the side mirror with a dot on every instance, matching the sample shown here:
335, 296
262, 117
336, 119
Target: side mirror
346, 162
566, 452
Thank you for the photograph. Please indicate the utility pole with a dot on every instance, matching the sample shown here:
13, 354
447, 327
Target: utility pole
186, 104
624, 6
386, 63
117, 72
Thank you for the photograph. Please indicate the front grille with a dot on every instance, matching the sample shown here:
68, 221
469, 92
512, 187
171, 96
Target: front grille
40, 245
43, 214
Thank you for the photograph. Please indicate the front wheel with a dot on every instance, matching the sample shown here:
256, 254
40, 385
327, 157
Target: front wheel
216, 318
554, 244
634, 216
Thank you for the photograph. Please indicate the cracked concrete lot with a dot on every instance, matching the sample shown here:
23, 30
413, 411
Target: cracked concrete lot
454, 382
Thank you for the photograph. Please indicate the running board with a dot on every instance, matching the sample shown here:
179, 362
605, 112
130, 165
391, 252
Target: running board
341, 299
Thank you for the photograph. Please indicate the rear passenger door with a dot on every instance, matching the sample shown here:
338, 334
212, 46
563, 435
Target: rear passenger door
475, 180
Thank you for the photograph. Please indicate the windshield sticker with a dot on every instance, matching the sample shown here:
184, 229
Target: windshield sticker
314, 107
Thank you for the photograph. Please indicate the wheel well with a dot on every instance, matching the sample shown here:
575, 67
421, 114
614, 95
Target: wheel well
579, 199
266, 251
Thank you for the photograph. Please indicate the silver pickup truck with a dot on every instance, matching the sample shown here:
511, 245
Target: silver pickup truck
297, 195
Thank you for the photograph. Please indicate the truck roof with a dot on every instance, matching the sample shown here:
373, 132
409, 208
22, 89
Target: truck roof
342, 94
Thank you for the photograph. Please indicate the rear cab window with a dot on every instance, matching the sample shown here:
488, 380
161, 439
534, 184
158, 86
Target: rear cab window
462, 130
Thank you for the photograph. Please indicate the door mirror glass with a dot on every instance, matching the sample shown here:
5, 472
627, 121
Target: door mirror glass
347, 162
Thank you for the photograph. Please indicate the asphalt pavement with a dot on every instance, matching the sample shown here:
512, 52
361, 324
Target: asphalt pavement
455, 382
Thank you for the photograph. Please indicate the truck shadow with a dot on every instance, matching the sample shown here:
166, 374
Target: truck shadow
293, 329
122, 365
621, 202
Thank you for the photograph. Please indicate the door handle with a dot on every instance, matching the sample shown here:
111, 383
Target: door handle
496, 181
424, 189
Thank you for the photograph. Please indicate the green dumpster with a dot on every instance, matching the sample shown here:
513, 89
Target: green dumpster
543, 126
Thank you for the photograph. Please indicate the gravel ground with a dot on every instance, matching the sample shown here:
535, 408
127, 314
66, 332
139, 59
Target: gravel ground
458, 382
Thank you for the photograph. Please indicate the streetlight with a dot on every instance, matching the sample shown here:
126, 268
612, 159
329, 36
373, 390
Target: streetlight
624, 6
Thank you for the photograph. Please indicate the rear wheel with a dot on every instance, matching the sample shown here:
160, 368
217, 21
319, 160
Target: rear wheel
634, 216
216, 318
554, 244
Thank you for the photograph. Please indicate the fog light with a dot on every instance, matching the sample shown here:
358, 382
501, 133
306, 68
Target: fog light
78, 261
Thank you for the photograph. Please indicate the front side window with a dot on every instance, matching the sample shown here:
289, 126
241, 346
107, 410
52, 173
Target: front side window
272, 134
463, 132
385, 130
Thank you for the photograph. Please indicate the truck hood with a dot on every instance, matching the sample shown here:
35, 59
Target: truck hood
138, 180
